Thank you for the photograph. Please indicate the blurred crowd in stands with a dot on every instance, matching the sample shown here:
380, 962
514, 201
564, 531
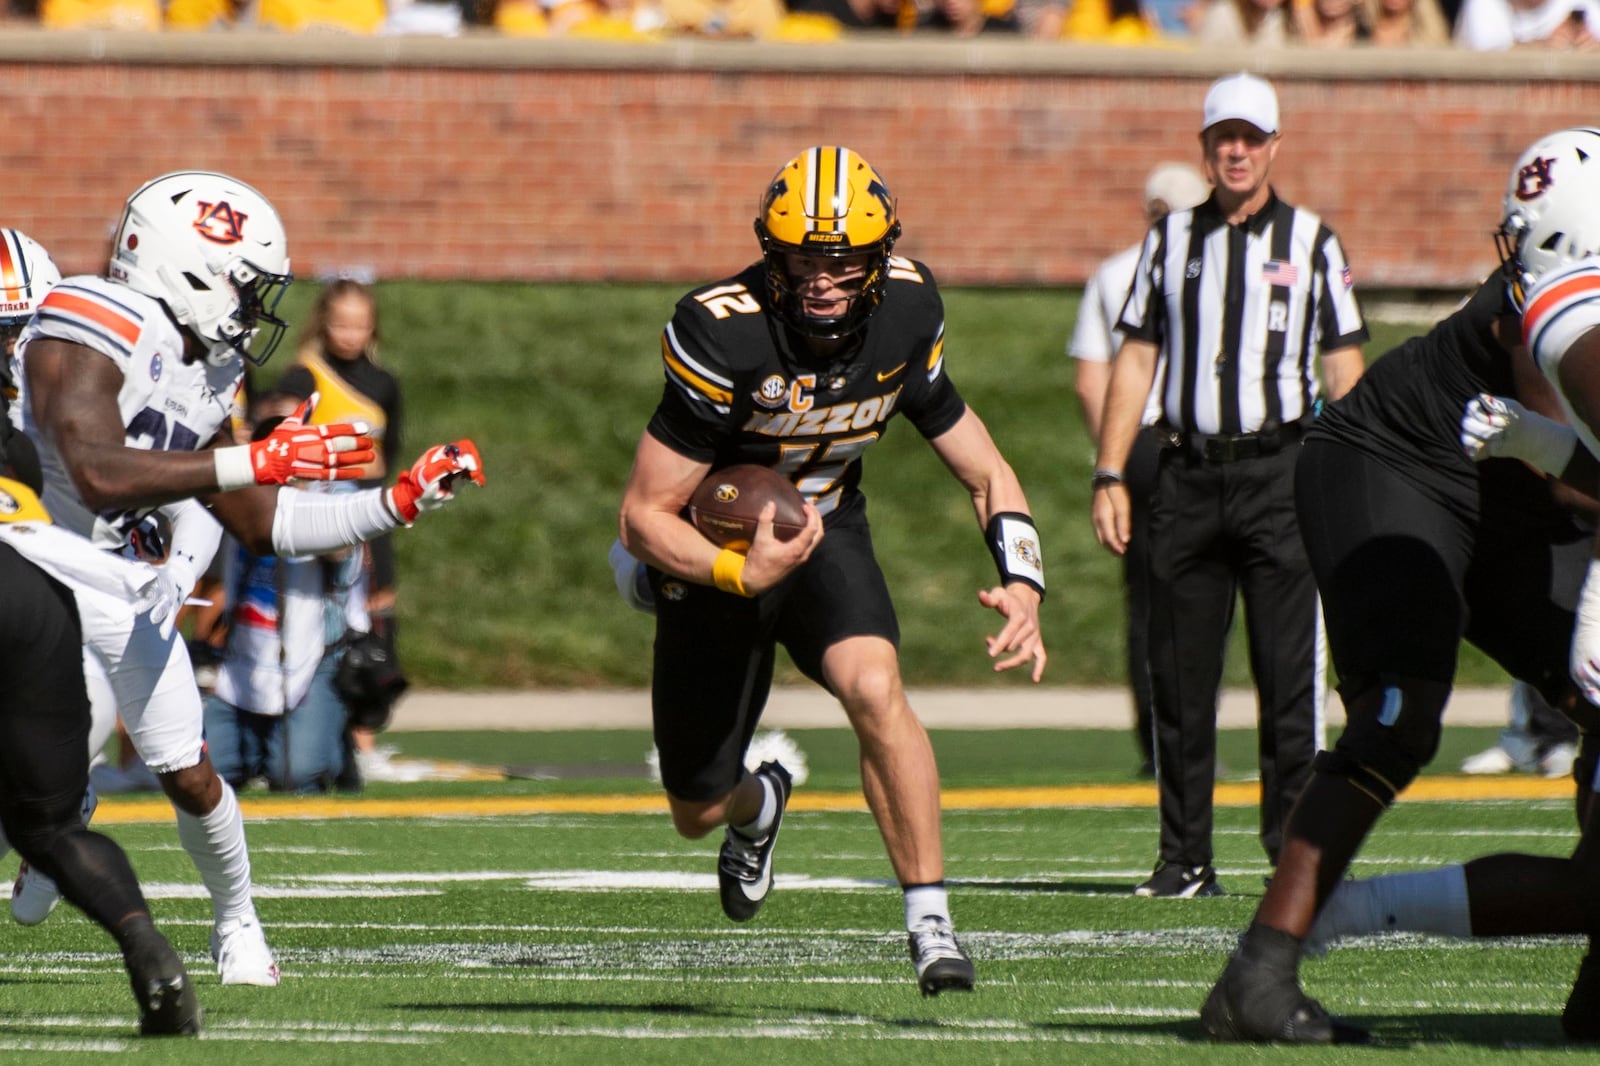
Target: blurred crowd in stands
1483, 25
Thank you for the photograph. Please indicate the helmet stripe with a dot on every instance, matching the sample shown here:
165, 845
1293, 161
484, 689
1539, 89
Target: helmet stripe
813, 192
12, 278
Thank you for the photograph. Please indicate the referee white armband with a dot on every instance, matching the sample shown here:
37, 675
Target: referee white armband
1014, 543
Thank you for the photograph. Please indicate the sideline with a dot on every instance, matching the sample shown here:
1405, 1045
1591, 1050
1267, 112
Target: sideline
126, 810
809, 707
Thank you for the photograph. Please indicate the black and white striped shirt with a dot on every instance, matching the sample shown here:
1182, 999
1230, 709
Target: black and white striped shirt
1240, 312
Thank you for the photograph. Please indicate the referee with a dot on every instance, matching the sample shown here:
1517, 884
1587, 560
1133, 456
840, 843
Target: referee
1238, 296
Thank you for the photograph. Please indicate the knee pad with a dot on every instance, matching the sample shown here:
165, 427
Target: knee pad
1391, 732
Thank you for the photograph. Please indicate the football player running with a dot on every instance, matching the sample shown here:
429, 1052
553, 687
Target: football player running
1552, 230
798, 363
125, 385
1415, 547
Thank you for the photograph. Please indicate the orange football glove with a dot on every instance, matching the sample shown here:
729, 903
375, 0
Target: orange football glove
295, 450
428, 485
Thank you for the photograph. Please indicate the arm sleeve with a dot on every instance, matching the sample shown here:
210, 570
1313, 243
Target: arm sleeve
309, 523
195, 537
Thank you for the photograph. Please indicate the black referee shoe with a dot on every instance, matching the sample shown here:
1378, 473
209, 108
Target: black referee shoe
1171, 881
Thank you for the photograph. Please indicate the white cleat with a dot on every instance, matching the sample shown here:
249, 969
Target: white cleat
243, 958
34, 895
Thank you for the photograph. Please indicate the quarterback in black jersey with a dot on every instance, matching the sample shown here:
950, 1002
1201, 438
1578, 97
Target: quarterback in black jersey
1416, 547
798, 363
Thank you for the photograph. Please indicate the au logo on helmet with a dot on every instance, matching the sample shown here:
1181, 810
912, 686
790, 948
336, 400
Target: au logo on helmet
220, 223
1534, 178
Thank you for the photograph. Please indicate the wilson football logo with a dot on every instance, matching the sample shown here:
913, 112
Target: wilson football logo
220, 223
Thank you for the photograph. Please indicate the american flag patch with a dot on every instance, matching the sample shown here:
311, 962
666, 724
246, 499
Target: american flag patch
1280, 273
1349, 279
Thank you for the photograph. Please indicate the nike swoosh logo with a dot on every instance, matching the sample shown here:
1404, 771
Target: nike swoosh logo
885, 375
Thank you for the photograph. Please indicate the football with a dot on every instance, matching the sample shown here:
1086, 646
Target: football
726, 505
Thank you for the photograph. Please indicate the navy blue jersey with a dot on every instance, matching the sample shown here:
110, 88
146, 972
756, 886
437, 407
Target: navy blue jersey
742, 388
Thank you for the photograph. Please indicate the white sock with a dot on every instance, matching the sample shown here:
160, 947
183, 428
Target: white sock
762, 825
215, 843
1429, 901
926, 901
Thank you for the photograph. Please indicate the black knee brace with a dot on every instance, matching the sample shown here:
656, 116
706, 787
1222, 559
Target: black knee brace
1391, 732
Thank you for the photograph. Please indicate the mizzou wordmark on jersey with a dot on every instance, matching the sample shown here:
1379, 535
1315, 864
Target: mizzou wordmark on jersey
743, 388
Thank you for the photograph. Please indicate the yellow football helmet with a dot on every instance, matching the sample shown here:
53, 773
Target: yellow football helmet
826, 201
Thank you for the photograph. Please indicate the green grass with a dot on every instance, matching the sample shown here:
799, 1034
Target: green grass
510, 587
583, 937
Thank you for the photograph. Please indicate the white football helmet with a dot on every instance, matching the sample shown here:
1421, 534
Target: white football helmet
213, 250
26, 273
1552, 208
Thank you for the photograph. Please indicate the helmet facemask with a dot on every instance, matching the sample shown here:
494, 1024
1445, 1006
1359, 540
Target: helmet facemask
826, 203
254, 330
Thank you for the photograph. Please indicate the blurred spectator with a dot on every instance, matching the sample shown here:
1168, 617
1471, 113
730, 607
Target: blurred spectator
1407, 23
1331, 23
321, 16
1258, 22
274, 713
962, 18
100, 14
617, 20
1498, 25
1091, 21
338, 360
201, 14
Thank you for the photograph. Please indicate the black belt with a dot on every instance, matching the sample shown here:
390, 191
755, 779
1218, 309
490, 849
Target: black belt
1231, 447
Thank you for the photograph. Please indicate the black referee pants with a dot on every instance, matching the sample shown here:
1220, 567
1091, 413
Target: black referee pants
1218, 529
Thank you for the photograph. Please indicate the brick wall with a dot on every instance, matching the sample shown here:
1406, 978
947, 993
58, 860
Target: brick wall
485, 159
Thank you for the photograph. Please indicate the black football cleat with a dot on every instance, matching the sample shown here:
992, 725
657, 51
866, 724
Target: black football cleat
941, 964
167, 1002
1249, 1005
744, 867
1580, 1019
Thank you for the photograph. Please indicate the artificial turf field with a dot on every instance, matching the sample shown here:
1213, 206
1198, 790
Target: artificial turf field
558, 919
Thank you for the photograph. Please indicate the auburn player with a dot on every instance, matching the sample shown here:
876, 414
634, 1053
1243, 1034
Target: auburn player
126, 385
1553, 225
47, 573
1415, 548
798, 363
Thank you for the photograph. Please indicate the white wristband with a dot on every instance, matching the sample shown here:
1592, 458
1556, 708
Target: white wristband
234, 469
1546, 443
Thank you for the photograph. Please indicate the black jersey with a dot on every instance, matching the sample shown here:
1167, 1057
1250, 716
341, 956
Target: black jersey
742, 388
1406, 410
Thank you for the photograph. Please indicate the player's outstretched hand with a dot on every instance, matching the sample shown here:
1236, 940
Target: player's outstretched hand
1019, 640
430, 483
1500, 427
769, 559
296, 451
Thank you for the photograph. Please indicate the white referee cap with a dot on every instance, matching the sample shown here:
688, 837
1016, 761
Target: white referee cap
1242, 96
1178, 185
